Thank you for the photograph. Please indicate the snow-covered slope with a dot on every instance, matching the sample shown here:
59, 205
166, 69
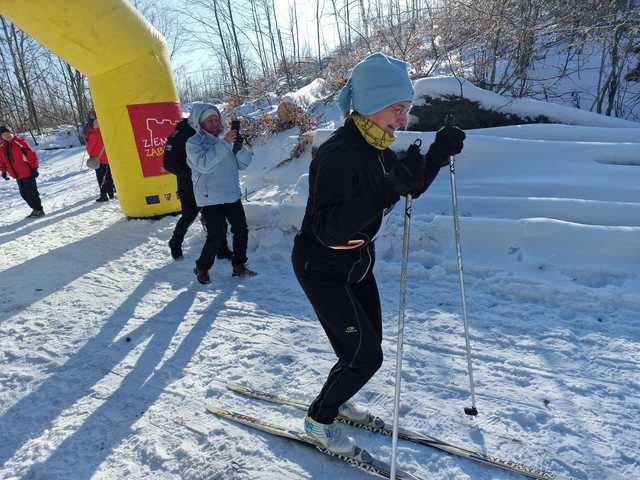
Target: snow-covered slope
109, 349
436, 87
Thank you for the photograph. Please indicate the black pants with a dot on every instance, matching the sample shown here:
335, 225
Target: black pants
189, 213
214, 218
105, 180
351, 317
29, 192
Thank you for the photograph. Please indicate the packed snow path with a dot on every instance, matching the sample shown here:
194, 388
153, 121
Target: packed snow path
108, 348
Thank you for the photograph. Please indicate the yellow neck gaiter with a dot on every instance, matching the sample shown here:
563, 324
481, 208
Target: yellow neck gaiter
372, 133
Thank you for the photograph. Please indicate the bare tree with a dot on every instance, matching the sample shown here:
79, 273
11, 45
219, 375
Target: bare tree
19, 45
240, 60
285, 66
262, 53
319, 6
272, 41
295, 15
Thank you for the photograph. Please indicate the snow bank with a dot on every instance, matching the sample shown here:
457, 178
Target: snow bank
562, 133
438, 87
309, 94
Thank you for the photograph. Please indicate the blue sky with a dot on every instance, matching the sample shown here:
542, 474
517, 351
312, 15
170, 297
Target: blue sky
195, 60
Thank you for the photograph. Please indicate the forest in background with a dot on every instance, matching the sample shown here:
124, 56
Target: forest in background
519, 48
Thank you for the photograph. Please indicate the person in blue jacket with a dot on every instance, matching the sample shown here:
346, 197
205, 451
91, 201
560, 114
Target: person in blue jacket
215, 164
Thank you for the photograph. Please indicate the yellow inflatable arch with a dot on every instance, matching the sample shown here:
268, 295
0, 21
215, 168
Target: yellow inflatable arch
126, 62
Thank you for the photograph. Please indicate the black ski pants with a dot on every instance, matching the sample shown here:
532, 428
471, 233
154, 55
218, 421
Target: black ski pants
214, 218
105, 180
351, 317
188, 214
29, 192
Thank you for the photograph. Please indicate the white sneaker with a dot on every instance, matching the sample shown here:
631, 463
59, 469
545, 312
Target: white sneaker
330, 437
355, 413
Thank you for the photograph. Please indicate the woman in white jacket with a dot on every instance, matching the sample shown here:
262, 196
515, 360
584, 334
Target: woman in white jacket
215, 164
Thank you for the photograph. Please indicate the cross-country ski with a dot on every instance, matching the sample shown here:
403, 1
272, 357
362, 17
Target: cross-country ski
378, 425
362, 459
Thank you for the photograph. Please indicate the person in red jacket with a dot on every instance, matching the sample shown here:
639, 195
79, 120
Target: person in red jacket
95, 148
19, 161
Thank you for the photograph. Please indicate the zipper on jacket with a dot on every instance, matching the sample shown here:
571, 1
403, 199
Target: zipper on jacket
9, 154
380, 157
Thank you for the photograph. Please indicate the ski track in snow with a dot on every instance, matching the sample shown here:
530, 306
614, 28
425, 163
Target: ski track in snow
109, 350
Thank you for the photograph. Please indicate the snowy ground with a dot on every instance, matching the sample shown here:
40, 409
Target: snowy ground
109, 349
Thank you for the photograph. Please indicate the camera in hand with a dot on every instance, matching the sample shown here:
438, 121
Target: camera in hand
237, 145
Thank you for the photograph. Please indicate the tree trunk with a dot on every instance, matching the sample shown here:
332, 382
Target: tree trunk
274, 51
337, 19
363, 16
258, 31
227, 56
240, 60
295, 14
614, 78
292, 27
318, 34
284, 57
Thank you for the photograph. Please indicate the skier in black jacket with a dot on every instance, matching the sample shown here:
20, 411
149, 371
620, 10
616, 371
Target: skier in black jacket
354, 182
175, 161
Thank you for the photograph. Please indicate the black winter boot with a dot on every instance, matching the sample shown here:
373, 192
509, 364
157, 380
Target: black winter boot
36, 214
176, 249
242, 271
202, 275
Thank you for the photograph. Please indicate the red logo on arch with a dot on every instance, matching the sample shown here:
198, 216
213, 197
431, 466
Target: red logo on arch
152, 123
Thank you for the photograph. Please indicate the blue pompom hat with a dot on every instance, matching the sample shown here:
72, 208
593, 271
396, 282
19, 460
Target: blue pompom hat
376, 82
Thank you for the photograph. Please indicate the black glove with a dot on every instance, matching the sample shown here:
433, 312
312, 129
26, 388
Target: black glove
5, 176
237, 145
449, 141
35, 173
407, 175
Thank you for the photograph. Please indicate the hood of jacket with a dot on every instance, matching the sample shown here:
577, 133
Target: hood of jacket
197, 109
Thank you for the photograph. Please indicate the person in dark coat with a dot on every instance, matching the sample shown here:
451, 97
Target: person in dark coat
354, 181
19, 161
175, 161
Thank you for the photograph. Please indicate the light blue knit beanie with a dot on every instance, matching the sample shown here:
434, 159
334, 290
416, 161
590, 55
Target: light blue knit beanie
376, 82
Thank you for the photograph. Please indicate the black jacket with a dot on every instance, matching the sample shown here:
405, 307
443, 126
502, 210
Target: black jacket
349, 190
175, 154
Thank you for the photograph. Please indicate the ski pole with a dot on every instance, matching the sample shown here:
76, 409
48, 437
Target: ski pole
456, 227
403, 284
